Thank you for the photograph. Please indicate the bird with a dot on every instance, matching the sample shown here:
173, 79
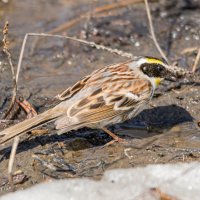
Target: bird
109, 95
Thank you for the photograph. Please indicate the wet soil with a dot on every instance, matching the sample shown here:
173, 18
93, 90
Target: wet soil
166, 132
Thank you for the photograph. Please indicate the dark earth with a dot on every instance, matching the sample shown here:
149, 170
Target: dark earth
165, 132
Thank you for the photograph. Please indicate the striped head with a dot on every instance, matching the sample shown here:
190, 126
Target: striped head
157, 70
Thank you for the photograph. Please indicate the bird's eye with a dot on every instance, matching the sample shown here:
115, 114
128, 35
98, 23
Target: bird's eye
144, 68
160, 68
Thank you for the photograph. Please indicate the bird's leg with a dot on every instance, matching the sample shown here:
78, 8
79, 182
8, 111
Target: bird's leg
115, 137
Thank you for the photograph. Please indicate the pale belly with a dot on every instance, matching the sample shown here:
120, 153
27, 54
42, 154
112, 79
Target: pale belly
120, 118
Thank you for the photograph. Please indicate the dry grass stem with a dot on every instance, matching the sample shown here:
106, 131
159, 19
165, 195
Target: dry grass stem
11, 161
196, 61
16, 139
8, 54
153, 32
189, 50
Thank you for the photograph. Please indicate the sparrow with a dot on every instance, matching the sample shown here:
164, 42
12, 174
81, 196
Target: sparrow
110, 95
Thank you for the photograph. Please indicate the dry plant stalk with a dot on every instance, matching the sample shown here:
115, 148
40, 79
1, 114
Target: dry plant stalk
11, 161
16, 139
153, 32
189, 50
8, 54
196, 61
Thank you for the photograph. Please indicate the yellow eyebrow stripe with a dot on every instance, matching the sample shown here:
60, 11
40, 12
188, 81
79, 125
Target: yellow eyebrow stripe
153, 60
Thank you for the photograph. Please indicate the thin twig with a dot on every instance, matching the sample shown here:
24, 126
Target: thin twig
11, 161
20, 57
92, 44
196, 61
189, 50
153, 32
16, 139
8, 54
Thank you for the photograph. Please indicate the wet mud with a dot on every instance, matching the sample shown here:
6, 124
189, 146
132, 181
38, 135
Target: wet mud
165, 132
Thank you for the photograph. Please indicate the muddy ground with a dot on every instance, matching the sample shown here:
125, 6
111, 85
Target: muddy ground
166, 132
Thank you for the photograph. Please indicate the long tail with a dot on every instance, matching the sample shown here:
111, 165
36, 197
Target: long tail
27, 125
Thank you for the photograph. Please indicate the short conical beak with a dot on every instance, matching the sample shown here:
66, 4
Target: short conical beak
171, 77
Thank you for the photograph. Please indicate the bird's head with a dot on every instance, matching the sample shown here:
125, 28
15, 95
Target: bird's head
158, 70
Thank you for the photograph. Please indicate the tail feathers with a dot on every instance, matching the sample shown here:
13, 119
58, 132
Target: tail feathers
27, 125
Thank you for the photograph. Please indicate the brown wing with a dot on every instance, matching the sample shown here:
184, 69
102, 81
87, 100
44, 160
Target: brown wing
69, 92
111, 100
